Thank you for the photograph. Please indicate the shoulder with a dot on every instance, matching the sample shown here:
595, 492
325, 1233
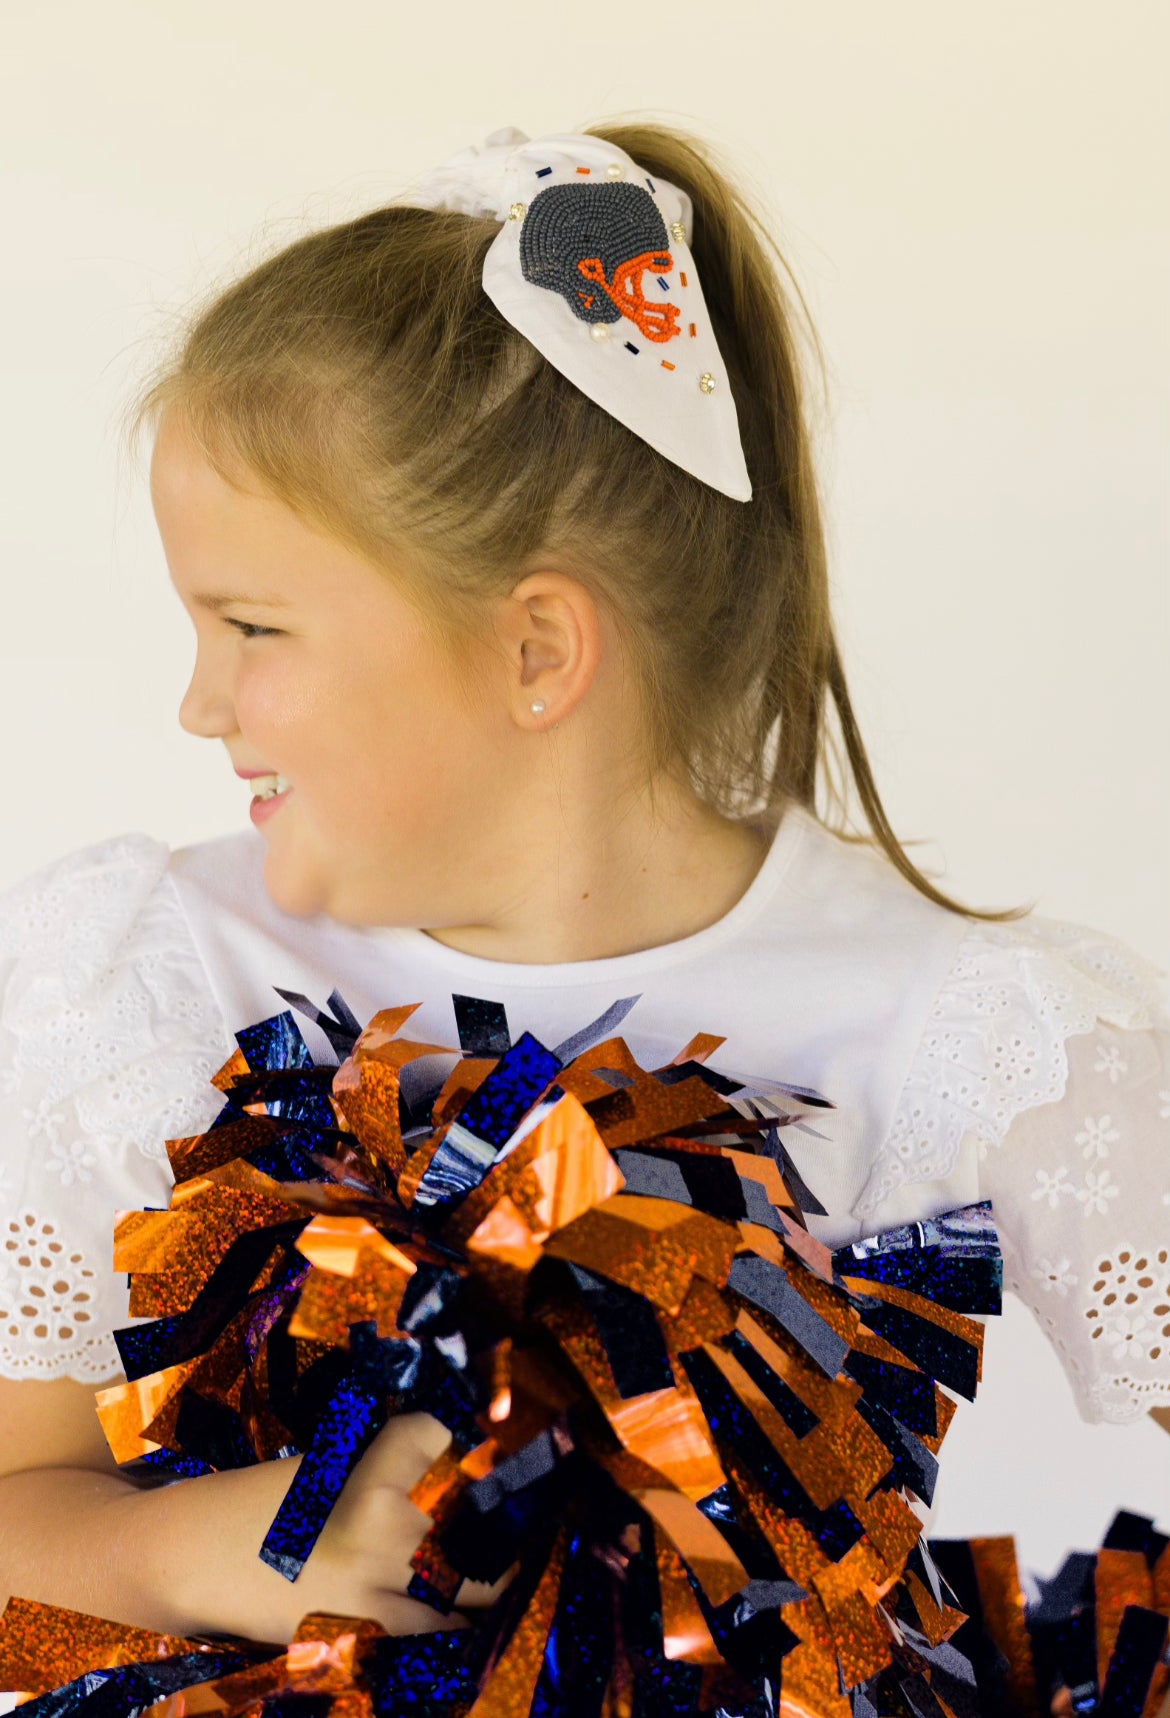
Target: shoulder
109, 879
97, 963
993, 1040
109, 1036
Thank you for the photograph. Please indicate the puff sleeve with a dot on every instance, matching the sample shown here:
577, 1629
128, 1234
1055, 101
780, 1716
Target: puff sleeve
1042, 1083
109, 1035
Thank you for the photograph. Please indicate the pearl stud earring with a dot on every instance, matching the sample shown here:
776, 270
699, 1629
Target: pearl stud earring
537, 706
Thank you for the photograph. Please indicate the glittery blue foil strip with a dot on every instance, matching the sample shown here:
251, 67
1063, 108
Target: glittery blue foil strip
355, 1415
421, 1675
939, 1352
482, 1025
953, 1259
579, 1651
905, 1392
500, 1103
489, 1118
1141, 1641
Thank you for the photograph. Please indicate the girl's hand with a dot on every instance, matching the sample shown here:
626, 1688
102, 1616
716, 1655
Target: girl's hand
367, 1543
360, 1565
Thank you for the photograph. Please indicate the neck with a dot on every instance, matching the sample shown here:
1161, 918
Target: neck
586, 888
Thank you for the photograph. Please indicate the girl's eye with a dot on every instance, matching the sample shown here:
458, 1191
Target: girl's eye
250, 630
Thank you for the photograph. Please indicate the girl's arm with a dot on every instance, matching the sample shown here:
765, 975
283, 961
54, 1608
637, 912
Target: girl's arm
183, 1558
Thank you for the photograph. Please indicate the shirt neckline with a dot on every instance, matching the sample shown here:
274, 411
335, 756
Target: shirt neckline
411, 943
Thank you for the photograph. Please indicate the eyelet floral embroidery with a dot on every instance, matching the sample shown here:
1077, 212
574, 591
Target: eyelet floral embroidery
71, 1161
1096, 1136
1054, 1276
1052, 1185
1110, 1061
1098, 1189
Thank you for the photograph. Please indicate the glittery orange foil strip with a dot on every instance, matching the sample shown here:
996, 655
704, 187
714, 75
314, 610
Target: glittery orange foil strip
43, 1646
1158, 1703
329, 1304
236, 1064
461, 1083
668, 1430
809, 1681
198, 1152
1121, 1578
341, 1244
653, 1246
685, 1634
556, 1173
997, 1576
698, 1541
125, 1409
861, 1639
640, 1111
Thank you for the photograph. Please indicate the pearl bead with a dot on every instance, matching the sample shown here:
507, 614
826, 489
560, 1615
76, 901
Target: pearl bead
517, 212
615, 170
707, 382
537, 706
678, 231
598, 331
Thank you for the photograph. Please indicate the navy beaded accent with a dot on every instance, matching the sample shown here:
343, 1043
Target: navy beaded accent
592, 242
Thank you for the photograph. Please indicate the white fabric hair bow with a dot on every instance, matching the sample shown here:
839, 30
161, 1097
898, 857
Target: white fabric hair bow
592, 265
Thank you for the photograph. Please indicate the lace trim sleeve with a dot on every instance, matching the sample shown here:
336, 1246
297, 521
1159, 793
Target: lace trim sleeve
1047, 1050
994, 1042
109, 1035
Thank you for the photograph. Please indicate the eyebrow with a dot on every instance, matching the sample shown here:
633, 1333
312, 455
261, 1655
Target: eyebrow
216, 600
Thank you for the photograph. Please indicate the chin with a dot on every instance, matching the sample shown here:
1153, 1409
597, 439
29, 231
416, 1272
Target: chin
292, 888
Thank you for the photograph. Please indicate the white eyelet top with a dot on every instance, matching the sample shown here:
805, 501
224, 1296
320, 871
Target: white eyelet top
1027, 1063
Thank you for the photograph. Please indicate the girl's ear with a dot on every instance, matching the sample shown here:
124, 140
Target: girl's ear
553, 640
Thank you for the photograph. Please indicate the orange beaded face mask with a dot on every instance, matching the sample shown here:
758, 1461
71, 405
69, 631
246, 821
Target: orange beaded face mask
592, 266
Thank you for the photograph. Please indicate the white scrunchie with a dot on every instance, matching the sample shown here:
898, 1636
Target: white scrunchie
470, 182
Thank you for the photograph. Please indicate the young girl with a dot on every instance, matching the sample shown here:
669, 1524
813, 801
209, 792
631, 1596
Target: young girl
495, 516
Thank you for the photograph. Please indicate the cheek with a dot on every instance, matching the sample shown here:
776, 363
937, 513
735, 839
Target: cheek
287, 697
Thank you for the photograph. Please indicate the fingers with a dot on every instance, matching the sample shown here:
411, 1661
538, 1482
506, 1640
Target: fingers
404, 1449
476, 1595
400, 1615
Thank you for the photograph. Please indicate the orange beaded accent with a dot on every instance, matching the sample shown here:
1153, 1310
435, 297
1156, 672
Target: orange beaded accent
656, 320
692, 331
666, 364
682, 277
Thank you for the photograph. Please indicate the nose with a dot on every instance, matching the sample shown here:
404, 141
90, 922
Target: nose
206, 711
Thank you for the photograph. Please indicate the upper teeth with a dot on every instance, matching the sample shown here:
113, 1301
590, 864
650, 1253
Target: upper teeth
265, 786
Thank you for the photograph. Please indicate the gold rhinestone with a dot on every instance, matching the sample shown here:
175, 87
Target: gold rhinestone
707, 382
517, 212
615, 170
678, 231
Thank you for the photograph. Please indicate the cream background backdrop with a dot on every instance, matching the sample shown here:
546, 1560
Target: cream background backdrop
974, 203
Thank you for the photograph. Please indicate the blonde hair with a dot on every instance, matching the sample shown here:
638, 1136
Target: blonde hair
365, 378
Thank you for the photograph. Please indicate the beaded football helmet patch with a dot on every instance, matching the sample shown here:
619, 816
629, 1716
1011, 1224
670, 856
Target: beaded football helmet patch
592, 243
